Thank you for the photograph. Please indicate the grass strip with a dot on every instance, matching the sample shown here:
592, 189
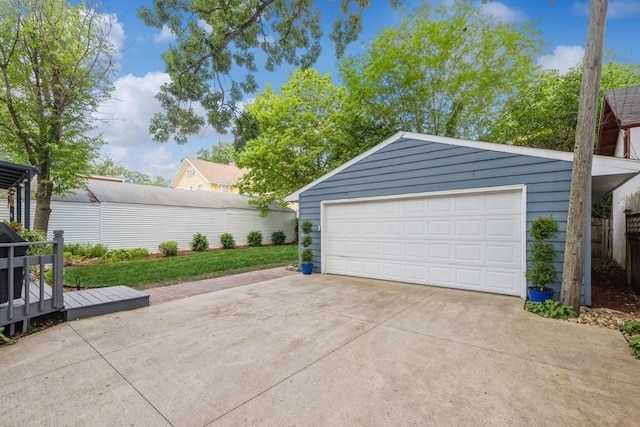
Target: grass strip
163, 271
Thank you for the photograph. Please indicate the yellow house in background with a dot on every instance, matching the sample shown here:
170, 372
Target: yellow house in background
196, 174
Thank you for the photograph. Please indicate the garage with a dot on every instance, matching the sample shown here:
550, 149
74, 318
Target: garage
467, 240
447, 212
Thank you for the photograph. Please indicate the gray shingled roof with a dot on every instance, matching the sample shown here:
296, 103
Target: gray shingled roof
114, 192
625, 104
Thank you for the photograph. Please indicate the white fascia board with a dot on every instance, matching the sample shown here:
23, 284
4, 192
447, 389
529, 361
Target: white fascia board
605, 165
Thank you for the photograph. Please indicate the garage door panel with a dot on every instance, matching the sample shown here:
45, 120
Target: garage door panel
469, 253
466, 241
440, 228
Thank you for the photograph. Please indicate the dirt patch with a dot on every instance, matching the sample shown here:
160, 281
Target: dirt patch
609, 288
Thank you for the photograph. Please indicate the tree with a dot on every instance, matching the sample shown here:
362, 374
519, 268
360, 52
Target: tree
220, 153
297, 134
106, 166
245, 128
545, 113
575, 243
55, 67
444, 70
215, 36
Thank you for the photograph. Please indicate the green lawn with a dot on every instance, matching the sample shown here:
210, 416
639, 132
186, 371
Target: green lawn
163, 271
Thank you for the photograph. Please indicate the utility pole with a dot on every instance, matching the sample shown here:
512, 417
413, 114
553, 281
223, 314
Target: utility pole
573, 268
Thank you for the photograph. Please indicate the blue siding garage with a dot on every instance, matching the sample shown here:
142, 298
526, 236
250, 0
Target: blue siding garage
442, 211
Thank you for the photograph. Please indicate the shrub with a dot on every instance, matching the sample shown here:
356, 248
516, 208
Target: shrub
75, 249
254, 238
36, 236
631, 327
97, 251
168, 248
306, 256
227, 241
551, 308
117, 255
199, 243
541, 271
306, 226
278, 238
634, 344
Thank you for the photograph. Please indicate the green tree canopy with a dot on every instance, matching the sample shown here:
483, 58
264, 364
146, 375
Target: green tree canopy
55, 66
106, 166
444, 70
298, 131
544, 114
222, 152
214, 37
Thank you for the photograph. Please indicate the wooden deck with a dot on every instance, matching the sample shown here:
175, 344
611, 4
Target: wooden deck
98, 301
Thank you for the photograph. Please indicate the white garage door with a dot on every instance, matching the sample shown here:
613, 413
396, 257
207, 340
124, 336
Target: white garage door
466, 240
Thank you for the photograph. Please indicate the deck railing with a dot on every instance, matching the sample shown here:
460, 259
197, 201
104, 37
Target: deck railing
38, 297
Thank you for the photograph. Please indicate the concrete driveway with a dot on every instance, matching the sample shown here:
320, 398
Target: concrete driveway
322, 350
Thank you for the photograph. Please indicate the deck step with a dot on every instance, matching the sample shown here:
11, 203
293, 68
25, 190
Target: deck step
98, 301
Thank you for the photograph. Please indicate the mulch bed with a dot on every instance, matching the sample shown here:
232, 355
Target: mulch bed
609, 288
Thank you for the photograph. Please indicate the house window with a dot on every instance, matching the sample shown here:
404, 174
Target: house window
199, 187
224, 188
191, 173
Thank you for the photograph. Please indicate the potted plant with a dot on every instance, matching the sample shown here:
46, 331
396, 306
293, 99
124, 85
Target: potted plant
306, 266
541, 271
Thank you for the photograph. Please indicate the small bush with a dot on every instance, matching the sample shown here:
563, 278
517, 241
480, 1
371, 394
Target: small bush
117, 255
278, 238
36, 236
306, 226
634, 344
306, 241
631, 327
199, 243
168, 248
306, 256
97, 251
254, 238
551, 308
545, 227
227, 241
75, 249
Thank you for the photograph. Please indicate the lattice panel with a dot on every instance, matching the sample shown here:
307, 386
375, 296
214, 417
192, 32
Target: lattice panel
633, 224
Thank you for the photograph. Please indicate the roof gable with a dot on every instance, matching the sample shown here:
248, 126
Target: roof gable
217, 173
601, 165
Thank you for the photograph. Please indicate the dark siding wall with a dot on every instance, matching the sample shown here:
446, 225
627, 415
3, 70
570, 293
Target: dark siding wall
409, 166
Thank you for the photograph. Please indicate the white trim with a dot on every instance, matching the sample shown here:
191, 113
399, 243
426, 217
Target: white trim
523, 254
602, 165
428, 194
487, 190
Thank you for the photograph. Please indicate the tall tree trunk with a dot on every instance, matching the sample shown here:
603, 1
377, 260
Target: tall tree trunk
575, 243
43, 200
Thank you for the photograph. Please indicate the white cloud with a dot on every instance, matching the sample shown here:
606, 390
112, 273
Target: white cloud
114, 31
164, 35
123, 122
503, 13
562, 59
205, 26
160, 162
616, 8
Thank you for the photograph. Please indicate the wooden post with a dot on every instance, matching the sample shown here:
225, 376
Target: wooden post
573, 267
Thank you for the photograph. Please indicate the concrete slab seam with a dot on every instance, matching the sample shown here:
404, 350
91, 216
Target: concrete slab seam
125, 379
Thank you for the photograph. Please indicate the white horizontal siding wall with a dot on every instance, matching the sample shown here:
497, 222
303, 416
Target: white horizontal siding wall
125, 225
241, 222
133, 226
79, 221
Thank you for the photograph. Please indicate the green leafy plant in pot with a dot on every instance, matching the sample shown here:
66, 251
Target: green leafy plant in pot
541, 271
306, 256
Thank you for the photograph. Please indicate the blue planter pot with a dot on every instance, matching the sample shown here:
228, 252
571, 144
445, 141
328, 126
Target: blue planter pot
537, 295
306, 268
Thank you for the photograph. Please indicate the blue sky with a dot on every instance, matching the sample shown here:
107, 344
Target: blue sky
563, 24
